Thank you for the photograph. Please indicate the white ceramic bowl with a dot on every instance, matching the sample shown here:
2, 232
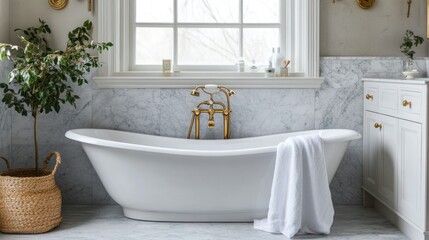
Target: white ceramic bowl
411, 74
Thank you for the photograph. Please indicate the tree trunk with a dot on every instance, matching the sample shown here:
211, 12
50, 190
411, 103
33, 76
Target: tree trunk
36, 147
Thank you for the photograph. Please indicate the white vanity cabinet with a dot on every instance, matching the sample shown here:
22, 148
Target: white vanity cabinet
395, 169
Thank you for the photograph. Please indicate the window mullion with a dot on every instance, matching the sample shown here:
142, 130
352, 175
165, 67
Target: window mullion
210, 25
128, 35
285, 32
176, 36
241, 28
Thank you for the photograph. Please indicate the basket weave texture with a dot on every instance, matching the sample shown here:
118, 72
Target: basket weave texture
30, 201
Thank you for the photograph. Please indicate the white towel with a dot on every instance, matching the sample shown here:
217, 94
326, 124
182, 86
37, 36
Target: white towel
300, 200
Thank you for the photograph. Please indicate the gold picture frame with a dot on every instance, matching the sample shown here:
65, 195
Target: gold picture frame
58, 4
365, 4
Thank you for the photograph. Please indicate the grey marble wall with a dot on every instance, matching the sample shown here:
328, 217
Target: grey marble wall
337, 104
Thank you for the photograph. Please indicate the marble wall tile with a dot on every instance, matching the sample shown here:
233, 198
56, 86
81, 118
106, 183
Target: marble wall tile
386, 65
135, 110
340, 108
75, 175
393, 67
254, 112
347, 183
421, 67
426, 61
52, 127
175, 106
264, 112
341, 73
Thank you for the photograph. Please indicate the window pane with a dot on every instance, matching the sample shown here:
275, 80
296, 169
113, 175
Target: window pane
153, 45
208, 46
208, 11
258, 44
154, 11
257, 11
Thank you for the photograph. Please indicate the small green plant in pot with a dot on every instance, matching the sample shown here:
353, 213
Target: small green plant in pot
409, 41
41, 81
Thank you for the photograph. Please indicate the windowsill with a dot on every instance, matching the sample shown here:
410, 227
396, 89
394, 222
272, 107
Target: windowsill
190, 80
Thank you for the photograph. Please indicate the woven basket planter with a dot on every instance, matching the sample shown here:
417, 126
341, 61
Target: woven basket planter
30, 202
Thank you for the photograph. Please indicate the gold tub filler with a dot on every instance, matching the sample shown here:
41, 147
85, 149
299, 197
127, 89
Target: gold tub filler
211, 109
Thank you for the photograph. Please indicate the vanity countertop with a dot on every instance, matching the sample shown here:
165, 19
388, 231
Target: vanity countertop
417, 81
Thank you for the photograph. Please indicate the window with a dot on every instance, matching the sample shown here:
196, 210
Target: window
201, 36
205, 34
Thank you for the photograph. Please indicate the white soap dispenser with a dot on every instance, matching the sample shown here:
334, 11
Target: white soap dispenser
277, 61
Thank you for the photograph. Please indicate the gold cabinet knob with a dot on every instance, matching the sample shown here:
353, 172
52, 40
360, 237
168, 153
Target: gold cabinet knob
369, 97
377, 125
406, 103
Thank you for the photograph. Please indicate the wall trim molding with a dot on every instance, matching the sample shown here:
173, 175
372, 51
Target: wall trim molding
190, 82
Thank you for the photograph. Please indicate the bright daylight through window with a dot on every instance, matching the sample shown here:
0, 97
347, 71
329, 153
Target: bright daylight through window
207, 41
205, 34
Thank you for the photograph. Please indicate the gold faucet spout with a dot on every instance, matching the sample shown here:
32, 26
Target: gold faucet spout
211, 122
211, 110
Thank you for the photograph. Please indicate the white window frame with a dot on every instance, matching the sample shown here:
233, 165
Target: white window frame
301, 22
175, 25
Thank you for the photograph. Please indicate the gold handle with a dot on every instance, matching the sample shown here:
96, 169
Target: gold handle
406, 103
378, 125
409, 7
369, 97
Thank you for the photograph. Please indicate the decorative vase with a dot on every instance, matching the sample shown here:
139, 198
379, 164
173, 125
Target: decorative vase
30, 200
409, 65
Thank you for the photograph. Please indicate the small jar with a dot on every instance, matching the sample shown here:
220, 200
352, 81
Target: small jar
284, 72
269, 72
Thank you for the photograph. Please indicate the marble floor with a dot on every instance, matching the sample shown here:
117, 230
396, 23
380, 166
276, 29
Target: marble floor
107, 222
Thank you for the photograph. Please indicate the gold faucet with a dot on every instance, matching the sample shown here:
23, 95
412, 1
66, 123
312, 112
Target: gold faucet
225, 110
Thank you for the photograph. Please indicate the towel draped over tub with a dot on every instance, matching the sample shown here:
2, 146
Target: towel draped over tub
300, 200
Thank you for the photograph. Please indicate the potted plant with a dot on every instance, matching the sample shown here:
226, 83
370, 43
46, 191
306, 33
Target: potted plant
409, 41
41, 81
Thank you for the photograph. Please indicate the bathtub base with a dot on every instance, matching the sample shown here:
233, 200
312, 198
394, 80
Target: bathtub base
194, 217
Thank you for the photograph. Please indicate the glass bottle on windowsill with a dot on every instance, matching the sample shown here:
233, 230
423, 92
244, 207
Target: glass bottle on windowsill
277, 61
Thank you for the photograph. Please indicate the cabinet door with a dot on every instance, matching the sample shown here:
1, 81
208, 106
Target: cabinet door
410, 170
372, 151
388, 163
380, 158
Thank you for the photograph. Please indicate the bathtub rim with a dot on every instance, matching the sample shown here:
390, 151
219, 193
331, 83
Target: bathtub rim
328, 136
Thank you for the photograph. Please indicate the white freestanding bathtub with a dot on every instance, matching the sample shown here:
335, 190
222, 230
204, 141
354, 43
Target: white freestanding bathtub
170, 179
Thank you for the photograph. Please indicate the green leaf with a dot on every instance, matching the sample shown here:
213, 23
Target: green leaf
409, 41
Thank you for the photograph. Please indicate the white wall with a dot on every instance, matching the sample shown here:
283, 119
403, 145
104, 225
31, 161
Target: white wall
4, 21
348, 30
25, 13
